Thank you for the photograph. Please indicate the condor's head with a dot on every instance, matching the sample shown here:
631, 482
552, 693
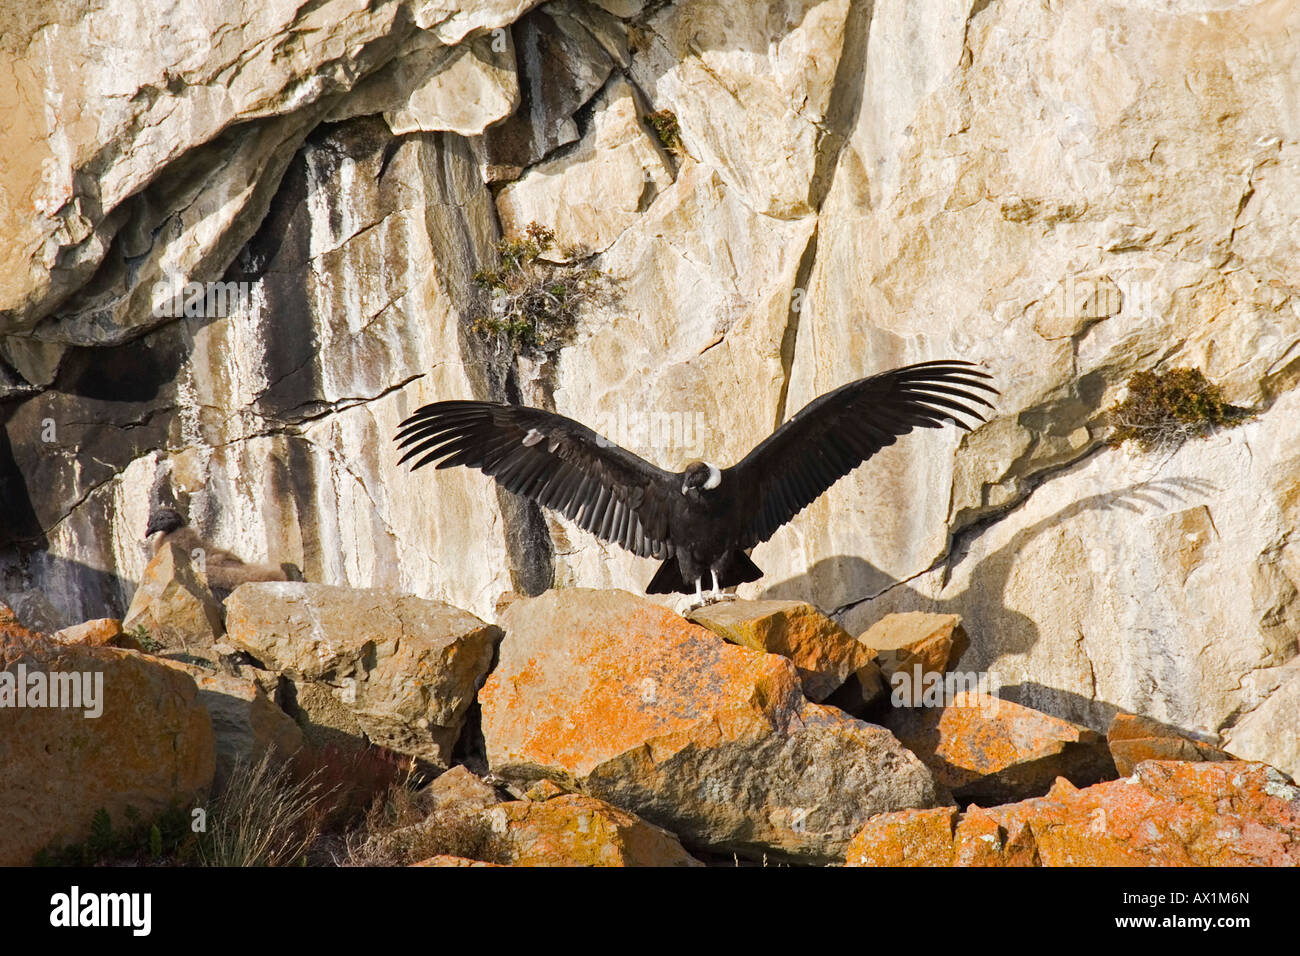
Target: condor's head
700, 476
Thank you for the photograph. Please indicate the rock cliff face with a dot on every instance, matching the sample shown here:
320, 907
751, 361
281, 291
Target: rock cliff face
1065, 193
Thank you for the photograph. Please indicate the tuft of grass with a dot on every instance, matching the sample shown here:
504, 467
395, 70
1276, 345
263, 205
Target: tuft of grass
399, 830
669, 133
1163, 410
534, 304
264, 817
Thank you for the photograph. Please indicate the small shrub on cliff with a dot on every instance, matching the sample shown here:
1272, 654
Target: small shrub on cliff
533, 303
1163, 410
669, 133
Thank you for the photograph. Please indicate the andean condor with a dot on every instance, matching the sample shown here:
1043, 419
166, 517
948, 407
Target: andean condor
225, 571
699, 521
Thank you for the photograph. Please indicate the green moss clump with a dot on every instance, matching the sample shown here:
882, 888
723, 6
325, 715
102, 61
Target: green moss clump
534, 303
1163, 410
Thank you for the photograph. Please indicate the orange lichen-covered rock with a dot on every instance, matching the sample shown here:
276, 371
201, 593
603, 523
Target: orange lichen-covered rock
993, 751
902, 641
103, 632
823, 652
576, 830
623, 699
85, 728
1133, 739
906, 838
1169, 813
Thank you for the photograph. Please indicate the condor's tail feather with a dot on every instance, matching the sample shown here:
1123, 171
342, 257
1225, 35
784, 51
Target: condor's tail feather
668, 580
736, 569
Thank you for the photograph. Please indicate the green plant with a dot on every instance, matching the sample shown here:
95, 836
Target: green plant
264, 817
534, 303
1163, 410
140, 634
669, 133
166, 839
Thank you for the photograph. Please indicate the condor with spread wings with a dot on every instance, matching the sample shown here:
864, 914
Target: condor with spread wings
699, 521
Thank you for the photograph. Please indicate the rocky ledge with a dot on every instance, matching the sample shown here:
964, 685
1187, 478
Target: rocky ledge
594, 727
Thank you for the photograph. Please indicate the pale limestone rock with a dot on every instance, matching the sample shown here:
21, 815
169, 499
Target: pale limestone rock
683, 364
451, 20
405, 669
1269, 733
595, 191
463, 88
561, 67
102, 101
1147, 583
751, 93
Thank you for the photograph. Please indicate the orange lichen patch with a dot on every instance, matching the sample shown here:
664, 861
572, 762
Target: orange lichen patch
993, 750
901, 641
823, 652
574, 830
653, 680
1170, 813
982, 841
1133, 739
906, 838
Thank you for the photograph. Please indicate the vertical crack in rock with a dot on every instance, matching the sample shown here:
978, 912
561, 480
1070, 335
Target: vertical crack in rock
790, 337
845, 101
492, 376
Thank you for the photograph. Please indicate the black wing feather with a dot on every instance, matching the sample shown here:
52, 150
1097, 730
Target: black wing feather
566, 466
838, 431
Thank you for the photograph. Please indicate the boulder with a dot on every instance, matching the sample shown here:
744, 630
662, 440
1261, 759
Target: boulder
129, 731
102, 632
1269, 732
174, 604
995, 751
246, 723
1169, 813
1133, 739
460, 789
902, 641
823, 653
610, 694
399, 669
577, 830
